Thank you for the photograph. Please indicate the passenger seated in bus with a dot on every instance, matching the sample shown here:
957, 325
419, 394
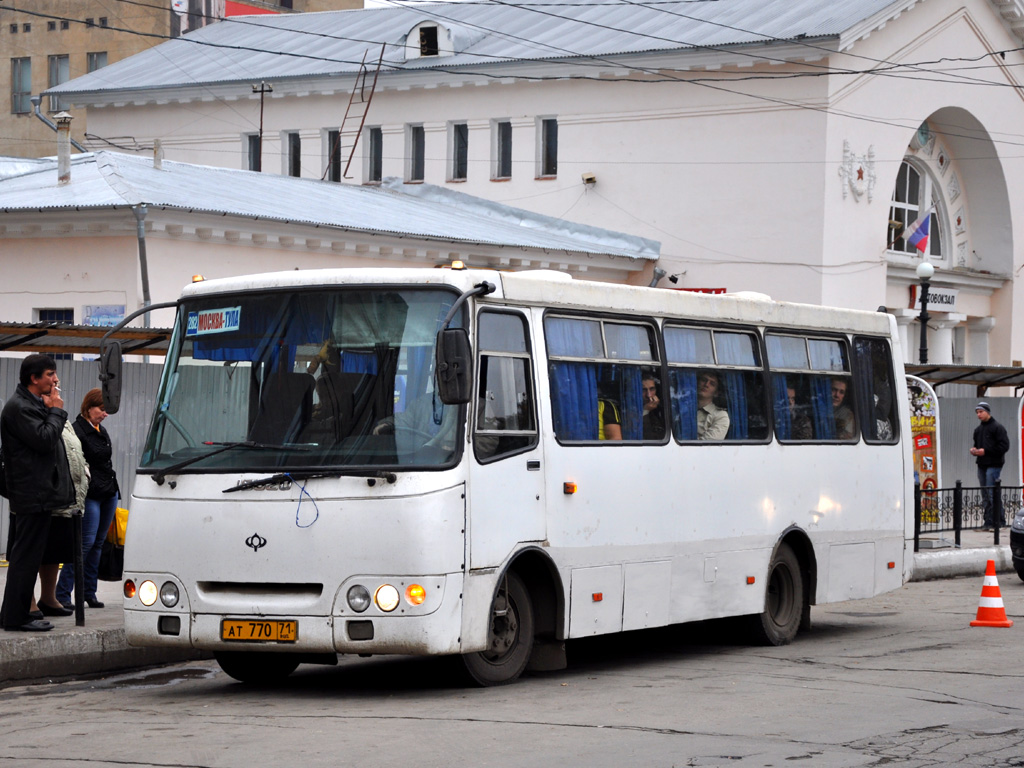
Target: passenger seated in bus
712, 420
654, 416
609, 425
800, 421
846, 424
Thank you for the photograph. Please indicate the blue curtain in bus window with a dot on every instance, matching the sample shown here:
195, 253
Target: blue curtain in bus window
359, 362
865, 387
683, 392
736, 405
631, 400
821, 408
780, 403
574, 400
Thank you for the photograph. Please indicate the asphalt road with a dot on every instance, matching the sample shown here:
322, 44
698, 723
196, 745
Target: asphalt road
900, 679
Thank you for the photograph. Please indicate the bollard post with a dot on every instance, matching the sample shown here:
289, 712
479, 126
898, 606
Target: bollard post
958, 512
917, 516
997, 510
79, 572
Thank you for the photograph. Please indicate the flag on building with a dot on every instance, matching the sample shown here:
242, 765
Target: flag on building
917, 233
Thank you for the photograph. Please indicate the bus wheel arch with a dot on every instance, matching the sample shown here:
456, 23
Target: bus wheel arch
525, 618
788, 589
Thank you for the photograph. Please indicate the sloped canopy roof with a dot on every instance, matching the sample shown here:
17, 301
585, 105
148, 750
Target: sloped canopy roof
107, 180
60, 338
983, 377
247, 49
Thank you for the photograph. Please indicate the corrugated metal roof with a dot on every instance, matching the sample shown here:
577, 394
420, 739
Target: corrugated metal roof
242, 49
112, 179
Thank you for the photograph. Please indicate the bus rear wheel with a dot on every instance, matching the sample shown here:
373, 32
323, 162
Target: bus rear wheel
250, 667
509, 636
784, 600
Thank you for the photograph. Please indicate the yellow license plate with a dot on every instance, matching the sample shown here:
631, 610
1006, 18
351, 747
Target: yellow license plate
257, 630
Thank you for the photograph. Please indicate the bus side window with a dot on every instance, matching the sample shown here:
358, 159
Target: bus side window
716, 385
875, 390
811, 388
505, 414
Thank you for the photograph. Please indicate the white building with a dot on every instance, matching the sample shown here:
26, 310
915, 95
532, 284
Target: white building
122, 230
770, 145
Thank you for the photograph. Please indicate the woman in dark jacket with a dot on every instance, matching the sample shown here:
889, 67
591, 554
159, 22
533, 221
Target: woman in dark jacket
100, 502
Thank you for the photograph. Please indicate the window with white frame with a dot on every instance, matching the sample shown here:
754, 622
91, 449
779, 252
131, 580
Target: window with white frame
915, 194
373, 157
501, 149
21, 85
332, 151
415, 154
253, 151
95, 60
547, 147
458, 151
293, 153
59, 71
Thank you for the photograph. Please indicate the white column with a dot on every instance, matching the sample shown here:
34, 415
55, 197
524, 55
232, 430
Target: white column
977, 339
940, 338
904, 317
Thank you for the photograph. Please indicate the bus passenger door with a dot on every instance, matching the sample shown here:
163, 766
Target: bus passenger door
506, 487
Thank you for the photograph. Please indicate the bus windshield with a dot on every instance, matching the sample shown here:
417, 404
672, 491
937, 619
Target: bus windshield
340, 378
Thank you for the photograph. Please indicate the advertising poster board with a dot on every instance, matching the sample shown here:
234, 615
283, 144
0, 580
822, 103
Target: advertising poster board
924, 428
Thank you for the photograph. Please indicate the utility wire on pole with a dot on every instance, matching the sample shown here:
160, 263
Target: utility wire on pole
262, 89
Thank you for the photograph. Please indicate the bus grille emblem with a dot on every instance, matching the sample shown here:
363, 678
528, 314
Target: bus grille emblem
255, 541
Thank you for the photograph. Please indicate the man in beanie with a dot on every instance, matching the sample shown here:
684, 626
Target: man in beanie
990, 446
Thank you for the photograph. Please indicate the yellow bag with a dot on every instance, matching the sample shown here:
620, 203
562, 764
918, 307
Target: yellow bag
118, 527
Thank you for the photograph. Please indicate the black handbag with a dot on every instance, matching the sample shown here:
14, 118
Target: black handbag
111, 562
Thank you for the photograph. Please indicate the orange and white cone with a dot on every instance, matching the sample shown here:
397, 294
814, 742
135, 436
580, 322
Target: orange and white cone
991, 612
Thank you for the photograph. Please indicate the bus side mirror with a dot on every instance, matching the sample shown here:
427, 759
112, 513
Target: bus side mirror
454, 366
110, 376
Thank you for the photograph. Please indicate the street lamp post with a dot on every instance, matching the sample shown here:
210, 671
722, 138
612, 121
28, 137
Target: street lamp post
924, 273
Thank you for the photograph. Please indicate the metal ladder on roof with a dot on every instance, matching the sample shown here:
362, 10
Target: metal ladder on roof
355, 115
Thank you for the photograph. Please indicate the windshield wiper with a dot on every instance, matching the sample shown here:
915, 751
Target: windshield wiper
280, 477
160, 476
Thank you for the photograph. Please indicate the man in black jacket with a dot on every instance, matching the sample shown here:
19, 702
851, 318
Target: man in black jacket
38, 481
990, 446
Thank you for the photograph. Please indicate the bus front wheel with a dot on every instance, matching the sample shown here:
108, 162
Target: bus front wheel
250, 667
509, 636
784, 600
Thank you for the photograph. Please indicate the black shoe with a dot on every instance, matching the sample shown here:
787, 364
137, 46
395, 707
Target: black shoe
33, 626
35, 615
93, 603
68, 606
49, 610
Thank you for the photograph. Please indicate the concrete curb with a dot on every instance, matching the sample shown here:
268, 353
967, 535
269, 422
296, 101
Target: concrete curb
953, 563
29, 656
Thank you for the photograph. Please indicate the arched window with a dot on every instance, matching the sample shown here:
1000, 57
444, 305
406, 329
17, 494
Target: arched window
915, 193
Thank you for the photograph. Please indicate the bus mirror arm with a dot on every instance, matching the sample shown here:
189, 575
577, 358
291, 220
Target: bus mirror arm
454, 363
110, 358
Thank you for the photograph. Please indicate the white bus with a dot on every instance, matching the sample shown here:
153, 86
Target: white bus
449, 461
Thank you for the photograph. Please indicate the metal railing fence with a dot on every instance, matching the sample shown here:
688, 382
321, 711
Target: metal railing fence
957, 509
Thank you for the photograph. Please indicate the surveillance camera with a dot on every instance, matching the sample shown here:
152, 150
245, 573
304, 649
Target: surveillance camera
589, 178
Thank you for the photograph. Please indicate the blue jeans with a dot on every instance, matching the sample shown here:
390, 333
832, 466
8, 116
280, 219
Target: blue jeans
987, 477
99, 513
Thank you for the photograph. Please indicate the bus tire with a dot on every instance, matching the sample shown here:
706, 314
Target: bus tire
509, 636
250, 667
783, 602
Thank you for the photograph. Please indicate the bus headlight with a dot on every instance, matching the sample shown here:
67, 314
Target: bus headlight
169, 594
147, 592
358, 598
386, 598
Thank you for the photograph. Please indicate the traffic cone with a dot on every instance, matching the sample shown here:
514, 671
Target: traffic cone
991, 612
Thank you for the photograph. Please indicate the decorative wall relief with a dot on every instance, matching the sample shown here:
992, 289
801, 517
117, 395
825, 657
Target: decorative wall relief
953, 188
857, 173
